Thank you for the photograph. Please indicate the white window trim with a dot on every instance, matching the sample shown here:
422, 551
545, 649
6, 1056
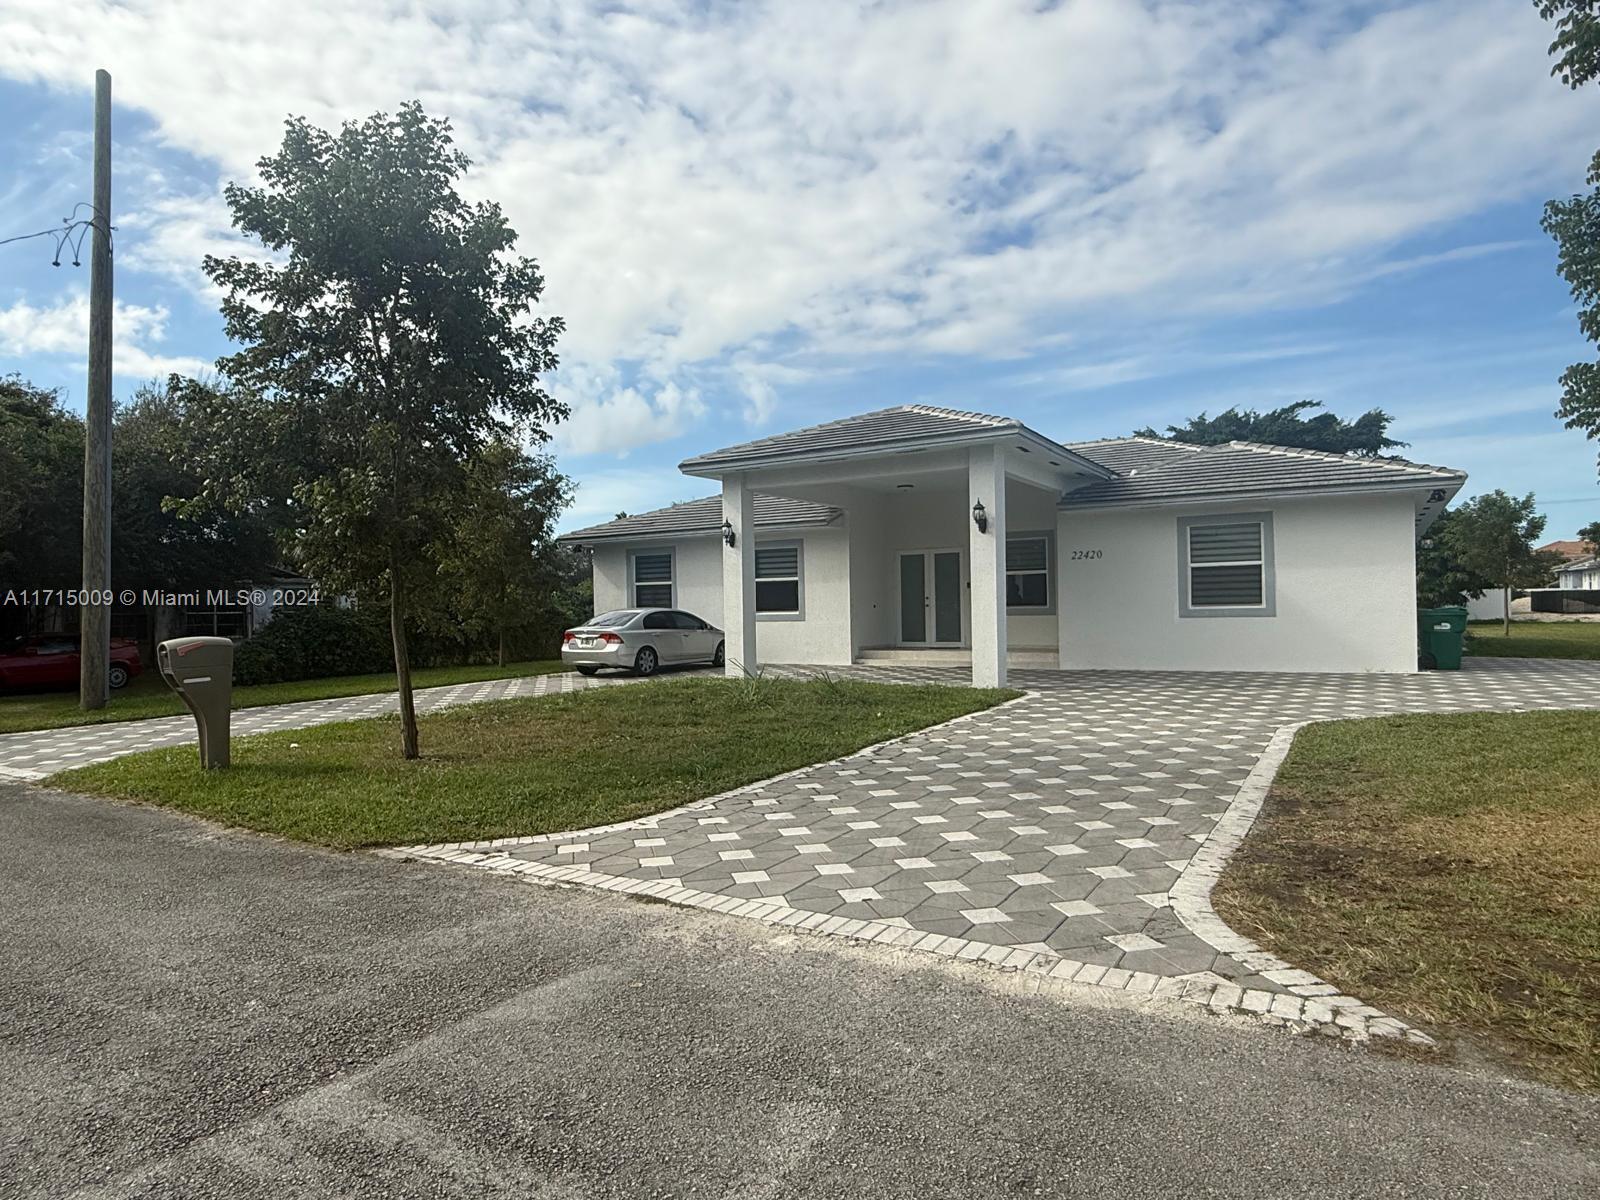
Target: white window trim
799, 577
1269, 598
1048, 608
672, 583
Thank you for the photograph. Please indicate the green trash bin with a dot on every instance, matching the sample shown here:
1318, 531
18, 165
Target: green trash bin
1439, 635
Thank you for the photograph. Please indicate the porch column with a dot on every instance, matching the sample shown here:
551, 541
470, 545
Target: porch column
739, 577
986, 485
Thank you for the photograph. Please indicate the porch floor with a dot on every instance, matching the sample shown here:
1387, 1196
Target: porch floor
1037, 657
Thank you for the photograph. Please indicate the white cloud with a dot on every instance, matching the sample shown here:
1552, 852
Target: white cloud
610, 418
63, 329
833, 181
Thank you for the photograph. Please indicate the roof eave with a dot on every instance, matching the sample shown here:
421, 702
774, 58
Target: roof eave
1449, 484
580, 537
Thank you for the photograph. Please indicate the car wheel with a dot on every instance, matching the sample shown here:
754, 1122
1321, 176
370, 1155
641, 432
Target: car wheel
721, 656
645, 662
587, 670
119, 675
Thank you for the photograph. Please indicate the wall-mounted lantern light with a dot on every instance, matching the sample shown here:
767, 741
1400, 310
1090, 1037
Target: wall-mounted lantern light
727, 533
980, 517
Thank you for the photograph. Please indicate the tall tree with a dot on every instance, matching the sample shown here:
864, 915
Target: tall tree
1574, 223
159, 535
500, 565
1365, 437
41, 487
1492, 537
389, 338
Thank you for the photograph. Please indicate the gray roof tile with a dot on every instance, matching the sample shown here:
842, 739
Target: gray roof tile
1243, 468
906, 423
704, 516
1130, 455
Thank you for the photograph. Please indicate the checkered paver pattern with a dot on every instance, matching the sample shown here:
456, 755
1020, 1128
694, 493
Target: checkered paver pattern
36, 754
1056, 824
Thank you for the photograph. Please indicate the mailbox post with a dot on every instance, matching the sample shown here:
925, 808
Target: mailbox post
200, 670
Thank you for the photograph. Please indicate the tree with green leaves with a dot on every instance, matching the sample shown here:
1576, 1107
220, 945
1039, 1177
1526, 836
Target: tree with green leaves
387, 339
500, 565
1442, 577
1574, 223
41, 487
1590, 536
1365, 437
1492, 537
156, 541
160, 536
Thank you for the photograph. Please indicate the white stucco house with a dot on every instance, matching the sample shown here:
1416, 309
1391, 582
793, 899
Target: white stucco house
950, 536
1582, 574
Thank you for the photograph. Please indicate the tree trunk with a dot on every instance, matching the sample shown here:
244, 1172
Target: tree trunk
502, 645
1505, 602
402, 660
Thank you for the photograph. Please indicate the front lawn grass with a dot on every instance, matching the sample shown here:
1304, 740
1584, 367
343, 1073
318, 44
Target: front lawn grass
1535, 639
1445, 868
542, 765
148, 695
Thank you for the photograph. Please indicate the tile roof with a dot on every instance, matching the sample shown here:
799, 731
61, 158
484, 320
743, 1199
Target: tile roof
1130, 455
918, 424
1570, 549
1244, 469
704, 516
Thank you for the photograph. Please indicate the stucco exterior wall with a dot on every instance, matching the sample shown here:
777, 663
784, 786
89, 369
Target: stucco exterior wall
821, 635
610, 566
1345, 587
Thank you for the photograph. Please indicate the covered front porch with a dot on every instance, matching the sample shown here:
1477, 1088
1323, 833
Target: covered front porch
944, 557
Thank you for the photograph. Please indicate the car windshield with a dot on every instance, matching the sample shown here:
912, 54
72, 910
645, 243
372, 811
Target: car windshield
612, 620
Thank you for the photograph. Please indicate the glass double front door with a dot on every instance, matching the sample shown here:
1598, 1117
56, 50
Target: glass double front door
930, 598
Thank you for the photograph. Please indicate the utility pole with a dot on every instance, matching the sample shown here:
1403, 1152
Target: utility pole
94, 638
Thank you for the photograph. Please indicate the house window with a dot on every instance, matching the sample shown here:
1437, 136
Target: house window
778, 579
652, 579
1028, 572
1226, 565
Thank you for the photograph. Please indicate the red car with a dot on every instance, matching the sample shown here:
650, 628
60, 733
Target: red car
51, 660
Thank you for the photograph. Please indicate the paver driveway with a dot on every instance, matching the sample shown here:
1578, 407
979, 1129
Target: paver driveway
1056, 824
38, 753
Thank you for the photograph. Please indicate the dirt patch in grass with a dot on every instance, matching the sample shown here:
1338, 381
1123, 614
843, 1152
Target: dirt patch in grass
1446, 868
518, 767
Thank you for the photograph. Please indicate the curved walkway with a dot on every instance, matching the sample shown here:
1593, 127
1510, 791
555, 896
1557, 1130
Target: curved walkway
1073, 832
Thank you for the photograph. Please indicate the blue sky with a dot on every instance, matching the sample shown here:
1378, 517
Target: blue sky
1092, 215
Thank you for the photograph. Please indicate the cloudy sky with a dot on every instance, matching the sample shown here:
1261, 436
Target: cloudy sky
1092, 214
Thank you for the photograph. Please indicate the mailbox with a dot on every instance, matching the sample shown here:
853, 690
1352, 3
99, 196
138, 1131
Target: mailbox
200, 669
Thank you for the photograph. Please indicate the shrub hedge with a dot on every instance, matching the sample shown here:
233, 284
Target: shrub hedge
314, 643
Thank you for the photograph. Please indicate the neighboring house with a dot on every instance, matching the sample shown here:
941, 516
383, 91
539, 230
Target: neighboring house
1581, 574
933, 530
1568, 549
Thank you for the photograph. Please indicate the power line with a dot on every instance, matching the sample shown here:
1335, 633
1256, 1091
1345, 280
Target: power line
72, 233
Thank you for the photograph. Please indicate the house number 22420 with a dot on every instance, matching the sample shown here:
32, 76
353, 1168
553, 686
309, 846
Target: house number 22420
1077, 554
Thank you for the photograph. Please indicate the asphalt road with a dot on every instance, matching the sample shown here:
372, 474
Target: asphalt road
187, 1012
